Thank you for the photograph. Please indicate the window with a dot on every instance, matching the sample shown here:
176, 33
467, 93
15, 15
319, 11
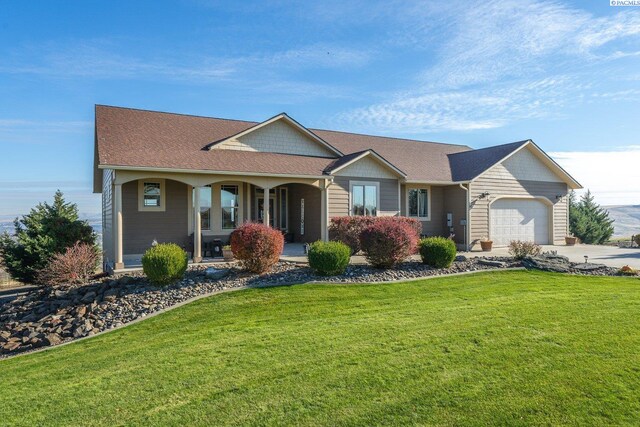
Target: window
229, 204
205, 208
283, 209
418, 202
364, 199
151, 195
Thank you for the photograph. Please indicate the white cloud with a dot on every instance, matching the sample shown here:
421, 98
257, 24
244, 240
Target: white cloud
612, 176
504, 61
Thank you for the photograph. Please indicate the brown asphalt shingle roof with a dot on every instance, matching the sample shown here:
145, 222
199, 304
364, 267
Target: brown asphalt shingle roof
150, 139
469, 164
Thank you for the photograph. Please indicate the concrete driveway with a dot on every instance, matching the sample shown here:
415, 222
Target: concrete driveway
607, 255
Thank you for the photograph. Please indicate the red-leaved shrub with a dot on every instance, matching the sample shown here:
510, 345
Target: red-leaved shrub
256, 246
347, 229
388, 242
76, 265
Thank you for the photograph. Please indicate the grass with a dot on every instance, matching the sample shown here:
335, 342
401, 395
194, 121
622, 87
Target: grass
510, 348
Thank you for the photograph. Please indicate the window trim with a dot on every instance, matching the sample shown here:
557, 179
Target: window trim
236, 207
163, 195
210, 189
429, 201
284, 190
369, 183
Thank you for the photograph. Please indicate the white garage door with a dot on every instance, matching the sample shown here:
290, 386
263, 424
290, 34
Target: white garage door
519, 219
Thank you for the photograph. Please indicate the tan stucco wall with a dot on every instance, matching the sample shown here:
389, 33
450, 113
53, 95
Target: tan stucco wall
139, 229
312, 212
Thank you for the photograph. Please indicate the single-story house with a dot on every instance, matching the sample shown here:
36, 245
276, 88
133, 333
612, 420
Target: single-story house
179, 178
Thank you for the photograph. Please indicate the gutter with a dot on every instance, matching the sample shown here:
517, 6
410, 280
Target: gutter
211, 172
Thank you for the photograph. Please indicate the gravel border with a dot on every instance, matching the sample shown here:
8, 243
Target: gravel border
52, 316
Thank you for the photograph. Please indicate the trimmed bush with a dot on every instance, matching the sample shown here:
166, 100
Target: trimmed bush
256, 246
387, 242
75, 266
520, 249
437, 252
347, 229
329, 258
164, 263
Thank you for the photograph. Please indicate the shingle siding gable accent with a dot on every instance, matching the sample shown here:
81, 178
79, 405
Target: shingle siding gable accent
523, 165
366, 168
276, 137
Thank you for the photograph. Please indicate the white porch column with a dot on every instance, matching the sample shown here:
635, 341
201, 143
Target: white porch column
117, 193
324, 211
265, 215
197, 227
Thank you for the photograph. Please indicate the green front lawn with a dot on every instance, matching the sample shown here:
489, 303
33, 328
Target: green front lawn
508, 348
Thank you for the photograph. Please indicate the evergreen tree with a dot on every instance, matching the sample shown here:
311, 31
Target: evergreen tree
588, 220
48, 229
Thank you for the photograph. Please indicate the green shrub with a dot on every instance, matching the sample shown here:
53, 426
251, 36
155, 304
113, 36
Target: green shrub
164, 263
47, 230
329, 258
437, 252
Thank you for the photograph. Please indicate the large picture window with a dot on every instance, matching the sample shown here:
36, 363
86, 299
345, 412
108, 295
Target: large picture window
205, 208
364, 199
229, 204
418, 202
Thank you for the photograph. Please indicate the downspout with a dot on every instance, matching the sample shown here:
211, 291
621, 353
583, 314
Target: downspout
466, 227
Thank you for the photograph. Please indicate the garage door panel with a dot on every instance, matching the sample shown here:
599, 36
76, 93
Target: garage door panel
519, 219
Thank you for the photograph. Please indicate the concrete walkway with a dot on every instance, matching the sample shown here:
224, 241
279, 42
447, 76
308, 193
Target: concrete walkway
611, 256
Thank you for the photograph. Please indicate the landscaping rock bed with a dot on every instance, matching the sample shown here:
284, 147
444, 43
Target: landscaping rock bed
561, 264
53, 315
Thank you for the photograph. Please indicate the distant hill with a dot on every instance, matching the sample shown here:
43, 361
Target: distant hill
627, 219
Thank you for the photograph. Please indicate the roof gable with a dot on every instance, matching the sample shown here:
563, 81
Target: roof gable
366, 163
534, 164
280, 134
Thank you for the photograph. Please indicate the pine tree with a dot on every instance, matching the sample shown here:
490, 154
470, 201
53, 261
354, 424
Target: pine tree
48, 229
588, 220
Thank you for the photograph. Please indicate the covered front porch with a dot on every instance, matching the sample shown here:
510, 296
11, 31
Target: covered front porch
200, 211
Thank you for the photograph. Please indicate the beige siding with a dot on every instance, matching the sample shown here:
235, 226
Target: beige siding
339, 195
277, 137
107, 216
497, 186
141, 228
368, 168
523, 166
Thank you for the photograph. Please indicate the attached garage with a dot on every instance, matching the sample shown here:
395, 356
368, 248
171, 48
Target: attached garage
519, 219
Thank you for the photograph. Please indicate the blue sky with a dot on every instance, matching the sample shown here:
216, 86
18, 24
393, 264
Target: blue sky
565, 74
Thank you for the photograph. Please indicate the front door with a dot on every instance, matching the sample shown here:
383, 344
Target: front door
261, 210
